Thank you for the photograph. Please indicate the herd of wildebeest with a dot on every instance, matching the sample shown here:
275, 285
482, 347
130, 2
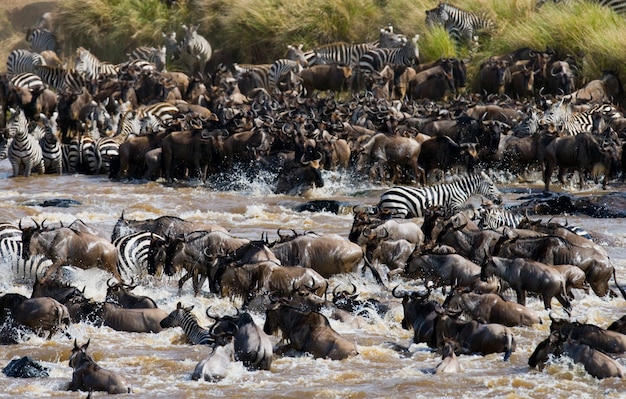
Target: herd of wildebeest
397, 124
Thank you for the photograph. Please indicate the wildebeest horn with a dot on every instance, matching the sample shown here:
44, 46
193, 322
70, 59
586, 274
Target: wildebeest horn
393, 292
109, 283
209, 316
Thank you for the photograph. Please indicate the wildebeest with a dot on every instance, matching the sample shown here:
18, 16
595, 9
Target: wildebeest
39, 314
473, 336
582, 153
89, 376
252, 346
605, 340
121, 295
492, 308
64, 246
554, 250
527, 275
132, 320
214, 367
384, 153
443, 153
449, 362
308, 332
326, 254
250, 279
420, 314
325, 77
299, 180
597, 363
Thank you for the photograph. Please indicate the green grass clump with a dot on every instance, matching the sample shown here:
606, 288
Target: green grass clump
111, 28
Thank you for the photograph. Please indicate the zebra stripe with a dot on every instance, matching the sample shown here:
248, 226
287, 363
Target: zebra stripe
41, 40
408, 202
22, 61
87, 64
71, 156
90, 159
618, 6
571, 123
340, 53
132, 250
376, 59
28, 81
258, 74
151, 54
11, 254
196, 50
281, 69
61, 79
163, 111
51, 151
24, 152
461, 25
182, 317
492, 217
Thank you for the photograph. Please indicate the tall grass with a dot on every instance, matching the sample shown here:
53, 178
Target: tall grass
258, 31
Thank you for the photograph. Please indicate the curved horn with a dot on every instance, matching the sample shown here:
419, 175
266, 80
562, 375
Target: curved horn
109, 284
393, 292
209, 316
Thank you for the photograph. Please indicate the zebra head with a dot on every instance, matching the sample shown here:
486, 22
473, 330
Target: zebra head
488, 189
178, 316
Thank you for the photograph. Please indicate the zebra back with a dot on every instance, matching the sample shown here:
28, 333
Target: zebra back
340, 53
408, 202
41, 39
461, 25
24, 152
493, 217
182, 317
22, 61
196, 49
132, 252
374, 60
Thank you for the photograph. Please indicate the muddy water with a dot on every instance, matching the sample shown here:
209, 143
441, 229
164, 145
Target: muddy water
160, 365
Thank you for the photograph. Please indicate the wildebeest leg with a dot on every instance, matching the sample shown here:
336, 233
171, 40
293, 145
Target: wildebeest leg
183, 280
52, 269
564, 301
521, 296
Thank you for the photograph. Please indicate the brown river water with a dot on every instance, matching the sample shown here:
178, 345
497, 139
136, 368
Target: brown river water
160, 365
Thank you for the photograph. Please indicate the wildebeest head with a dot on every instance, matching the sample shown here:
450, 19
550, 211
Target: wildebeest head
79, 355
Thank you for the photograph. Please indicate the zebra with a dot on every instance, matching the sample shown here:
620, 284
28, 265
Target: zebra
26, 81
41, 40
132, 252
24, 152
409, 202
172, 48
71, 155
51, 152
61, 79
151, 54
22, 61
182, 317
618, 6
283, 71
196, 50
340, 53
374, 60
164, 111
11, 254
462, 26
297, 54
256, 75
493, 217
562, 117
